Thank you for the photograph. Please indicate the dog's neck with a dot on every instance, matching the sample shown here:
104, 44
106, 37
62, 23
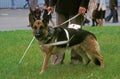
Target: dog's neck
52, 38
51, 32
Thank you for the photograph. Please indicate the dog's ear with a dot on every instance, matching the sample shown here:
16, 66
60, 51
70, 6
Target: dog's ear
31, 11
45, 23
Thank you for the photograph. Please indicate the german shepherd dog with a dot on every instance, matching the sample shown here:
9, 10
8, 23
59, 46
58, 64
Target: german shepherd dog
55, 40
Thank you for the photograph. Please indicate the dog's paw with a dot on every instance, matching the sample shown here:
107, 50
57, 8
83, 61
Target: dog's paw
102, 66
41, 72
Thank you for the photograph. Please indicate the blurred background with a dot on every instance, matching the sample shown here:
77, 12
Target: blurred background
16, 3
13, 14
21, 3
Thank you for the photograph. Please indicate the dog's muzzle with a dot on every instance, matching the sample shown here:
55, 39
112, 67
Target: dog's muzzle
40, 37
37, 36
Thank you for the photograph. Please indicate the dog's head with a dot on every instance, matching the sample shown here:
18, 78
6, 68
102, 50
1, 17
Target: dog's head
40, 30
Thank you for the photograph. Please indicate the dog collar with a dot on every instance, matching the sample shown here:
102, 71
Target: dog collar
50, 33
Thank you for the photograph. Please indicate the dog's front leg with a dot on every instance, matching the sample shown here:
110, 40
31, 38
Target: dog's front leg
45, 62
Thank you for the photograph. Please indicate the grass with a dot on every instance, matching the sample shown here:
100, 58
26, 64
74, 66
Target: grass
14, 43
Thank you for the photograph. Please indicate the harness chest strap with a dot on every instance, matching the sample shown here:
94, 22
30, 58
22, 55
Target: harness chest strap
59, 42
67, 35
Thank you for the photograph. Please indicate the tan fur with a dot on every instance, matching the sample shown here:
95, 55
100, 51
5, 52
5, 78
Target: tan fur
88, 47
91, 47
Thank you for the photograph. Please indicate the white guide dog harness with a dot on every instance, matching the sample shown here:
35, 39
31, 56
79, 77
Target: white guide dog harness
60, 42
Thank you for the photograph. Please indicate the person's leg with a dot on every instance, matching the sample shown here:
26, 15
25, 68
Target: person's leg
86, 21
115, 16
96, 22
59, 58
100, 22
52, 22
102, 16
78, 20
31, 20
60, 18
25, 5
46, 16
93, 22
75, 58
108, 18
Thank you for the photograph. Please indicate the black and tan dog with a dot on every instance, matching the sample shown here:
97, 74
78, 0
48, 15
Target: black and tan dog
54, 40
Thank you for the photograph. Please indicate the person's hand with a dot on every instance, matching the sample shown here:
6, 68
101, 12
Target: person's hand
99, 9
115, 8
44, 8
50, 9
82, 10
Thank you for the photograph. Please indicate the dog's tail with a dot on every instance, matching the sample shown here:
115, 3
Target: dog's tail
98, 58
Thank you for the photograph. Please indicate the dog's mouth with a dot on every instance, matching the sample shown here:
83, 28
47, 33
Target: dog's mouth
40, 37
37, 36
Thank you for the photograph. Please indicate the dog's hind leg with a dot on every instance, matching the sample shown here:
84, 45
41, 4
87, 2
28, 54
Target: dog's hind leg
91, 47
45, 62
96, 56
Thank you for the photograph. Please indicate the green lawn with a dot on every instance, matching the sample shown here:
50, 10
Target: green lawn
14, 43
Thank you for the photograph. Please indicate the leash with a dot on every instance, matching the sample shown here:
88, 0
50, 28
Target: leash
26, 50
66, 20
69, 20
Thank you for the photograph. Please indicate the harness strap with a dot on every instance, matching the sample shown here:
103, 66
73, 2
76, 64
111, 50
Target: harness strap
60, 42
67, 35
56, 43
68, 20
